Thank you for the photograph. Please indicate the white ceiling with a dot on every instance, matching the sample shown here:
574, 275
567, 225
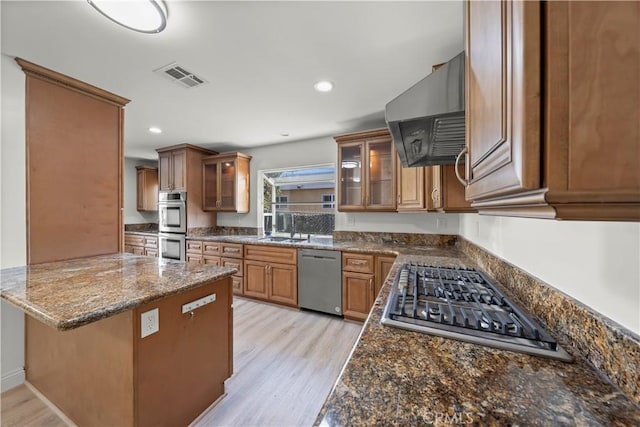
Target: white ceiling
261, 59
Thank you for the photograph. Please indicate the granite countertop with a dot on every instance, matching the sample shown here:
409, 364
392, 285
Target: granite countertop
399, 377
143, 233
439, 244
72, 293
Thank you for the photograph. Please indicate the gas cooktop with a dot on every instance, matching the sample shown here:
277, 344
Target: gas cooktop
463, 304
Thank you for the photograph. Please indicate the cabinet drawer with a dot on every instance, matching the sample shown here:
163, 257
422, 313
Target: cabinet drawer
211, 248
231, 250
194, 247
271, 254
133, 240
238, 285
151, 252
233, 263
151, 242
194, 258
211, 260
358, 263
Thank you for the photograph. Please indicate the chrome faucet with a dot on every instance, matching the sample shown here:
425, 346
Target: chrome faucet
293, 226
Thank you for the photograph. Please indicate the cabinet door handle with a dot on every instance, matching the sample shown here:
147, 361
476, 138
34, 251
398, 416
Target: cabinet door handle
371, 287
464, 182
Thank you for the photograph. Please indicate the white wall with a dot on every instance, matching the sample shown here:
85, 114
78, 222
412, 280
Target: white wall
131, 214
323, 151
13, 232
597, 263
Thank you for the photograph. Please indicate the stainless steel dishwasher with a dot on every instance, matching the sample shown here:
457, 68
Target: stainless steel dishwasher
319, 280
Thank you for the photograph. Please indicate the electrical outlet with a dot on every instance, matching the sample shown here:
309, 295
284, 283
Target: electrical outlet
149, 322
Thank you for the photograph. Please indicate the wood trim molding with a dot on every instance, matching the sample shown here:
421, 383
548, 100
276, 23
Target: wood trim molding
64, 80
384, 132
182, 146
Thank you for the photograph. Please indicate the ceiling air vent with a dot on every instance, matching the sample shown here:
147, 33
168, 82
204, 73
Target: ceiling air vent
180, 75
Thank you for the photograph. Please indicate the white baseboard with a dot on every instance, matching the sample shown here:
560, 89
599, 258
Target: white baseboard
12, 379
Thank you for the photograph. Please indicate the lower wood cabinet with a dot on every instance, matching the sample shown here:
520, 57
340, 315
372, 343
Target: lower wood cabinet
105, 374
141, 245
268, 280
220, 254
362, 278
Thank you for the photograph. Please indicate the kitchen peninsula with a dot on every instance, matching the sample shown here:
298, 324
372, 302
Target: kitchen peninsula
93, 353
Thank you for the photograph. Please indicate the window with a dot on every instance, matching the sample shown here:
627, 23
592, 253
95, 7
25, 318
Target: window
281, 202
299, 200
331, 198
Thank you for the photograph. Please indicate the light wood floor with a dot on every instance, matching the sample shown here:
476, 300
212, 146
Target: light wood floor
285, 363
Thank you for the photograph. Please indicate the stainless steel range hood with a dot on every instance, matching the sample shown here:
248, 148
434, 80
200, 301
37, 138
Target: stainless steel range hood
427, 122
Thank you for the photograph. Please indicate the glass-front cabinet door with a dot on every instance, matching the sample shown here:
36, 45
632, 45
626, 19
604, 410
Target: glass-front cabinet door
381, 182
350, 191
211, 195
227, 184
367, 179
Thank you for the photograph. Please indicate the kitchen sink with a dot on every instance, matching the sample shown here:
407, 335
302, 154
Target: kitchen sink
274, 239
283, 239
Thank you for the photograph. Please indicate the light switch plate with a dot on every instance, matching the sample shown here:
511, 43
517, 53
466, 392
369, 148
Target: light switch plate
149, 322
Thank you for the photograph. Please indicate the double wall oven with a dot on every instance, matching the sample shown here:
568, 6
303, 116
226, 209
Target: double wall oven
172, 225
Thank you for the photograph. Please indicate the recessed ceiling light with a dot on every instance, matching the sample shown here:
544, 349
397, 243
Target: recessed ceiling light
144, 16
154, 129
323, 86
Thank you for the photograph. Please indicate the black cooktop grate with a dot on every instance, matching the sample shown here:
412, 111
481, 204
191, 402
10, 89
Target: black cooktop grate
460, 299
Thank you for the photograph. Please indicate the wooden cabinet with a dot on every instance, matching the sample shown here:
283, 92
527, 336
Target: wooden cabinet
271, 273
220, 254
225, 183
147, 188
430, 189
367, 172
141, 245
186, 362
447, 193
572, 153
383, 267
180, 169
173, 170
362, 277
413, 186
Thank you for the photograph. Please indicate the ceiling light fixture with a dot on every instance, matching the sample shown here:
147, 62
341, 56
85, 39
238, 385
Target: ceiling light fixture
144, 16
323, 86
154, 129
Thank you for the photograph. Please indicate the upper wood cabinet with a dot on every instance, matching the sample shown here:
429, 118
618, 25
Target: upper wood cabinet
447, 194
551, 131
173, 176
181, 170
430, 189
176, 163
147, 188
366, 162
225, 183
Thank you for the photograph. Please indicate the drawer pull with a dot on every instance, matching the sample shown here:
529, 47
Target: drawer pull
231, 250
359, 262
